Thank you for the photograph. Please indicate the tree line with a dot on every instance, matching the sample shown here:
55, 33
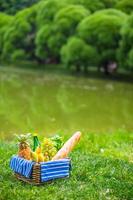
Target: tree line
76, 33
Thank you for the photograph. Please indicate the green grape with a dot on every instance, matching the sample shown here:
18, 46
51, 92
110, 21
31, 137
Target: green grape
48, 149
46, 153
46, 158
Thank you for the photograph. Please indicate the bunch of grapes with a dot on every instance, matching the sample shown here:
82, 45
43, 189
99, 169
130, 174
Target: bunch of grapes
48, 149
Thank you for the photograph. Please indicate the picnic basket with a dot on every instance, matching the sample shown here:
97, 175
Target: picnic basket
42, 172
35, 175
36, 172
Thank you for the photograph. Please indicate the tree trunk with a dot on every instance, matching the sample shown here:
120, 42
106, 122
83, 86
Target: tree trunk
77, 68
105, 66
85, 70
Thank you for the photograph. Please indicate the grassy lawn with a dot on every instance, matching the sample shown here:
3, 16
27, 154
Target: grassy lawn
102, 169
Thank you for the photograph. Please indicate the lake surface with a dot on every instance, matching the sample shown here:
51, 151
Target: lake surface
47, 103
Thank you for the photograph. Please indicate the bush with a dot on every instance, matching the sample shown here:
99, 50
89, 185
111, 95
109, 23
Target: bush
125, 5
77, 53
126, 48
102, 30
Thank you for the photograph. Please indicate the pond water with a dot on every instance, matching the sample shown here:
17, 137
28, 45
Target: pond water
48, 103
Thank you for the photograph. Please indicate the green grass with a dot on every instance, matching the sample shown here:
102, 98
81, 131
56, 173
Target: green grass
102, 169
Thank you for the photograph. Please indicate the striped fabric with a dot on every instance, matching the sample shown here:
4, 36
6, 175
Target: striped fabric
55, 169
21, 166
49, 170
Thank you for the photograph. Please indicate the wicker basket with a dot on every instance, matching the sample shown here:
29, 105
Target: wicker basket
38, 174
35, 177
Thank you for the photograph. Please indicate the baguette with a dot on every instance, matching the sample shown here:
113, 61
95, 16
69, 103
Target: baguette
68, 146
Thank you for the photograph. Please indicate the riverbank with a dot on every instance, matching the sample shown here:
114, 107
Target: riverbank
34, 68
101, 169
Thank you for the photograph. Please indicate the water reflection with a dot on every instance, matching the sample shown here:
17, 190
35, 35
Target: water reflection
47, 103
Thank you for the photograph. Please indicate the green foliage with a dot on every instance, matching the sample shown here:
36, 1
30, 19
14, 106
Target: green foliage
125, 5
126, 48
72, 13
58, 142
88, 4
110, 3
4, 21
13, 6
20, 35
101, 169
47, 41
77, 53
39, 32
47, 10
95, 4
19, 55
52, 36
42, 37
102, 30
113, 12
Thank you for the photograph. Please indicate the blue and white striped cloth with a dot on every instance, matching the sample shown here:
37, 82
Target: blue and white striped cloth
21, 166
55, 169
49, 170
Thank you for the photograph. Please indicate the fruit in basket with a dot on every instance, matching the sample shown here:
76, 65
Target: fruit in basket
46, 158
34, 156
37, 156
24, 147
48, 149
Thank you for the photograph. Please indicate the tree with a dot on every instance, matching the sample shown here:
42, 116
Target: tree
20, 35
77, 53
73, 13
125, 5
110, 3
113, 12
13, 6
47, 10
4, 21
102, 30
52, 36
88, 4
125, 53
48, 44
